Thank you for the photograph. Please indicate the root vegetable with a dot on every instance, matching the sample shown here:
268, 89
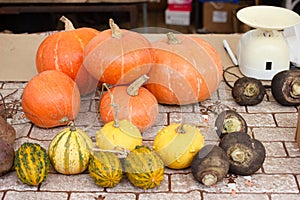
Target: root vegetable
246, 155
7, 155
7, 131
248, 91
230, 121
210, 165
285, 87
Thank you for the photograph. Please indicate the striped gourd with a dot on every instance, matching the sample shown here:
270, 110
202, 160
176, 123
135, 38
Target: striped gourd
105, 169
31, 163
69, 151
144, 168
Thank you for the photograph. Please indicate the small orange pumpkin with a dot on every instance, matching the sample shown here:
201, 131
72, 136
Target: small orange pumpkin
186, 70
135, 104
50, 99
118, 56
63, 51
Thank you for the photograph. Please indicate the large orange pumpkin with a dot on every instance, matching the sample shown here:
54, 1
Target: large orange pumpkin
135, 104
63, 51
50, 99
186, 70
118, 56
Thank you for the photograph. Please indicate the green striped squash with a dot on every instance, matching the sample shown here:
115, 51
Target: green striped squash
69, 151
31, 163
105, 169
144, 168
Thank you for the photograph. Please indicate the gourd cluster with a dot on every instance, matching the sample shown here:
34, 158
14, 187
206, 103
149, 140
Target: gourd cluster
137, 75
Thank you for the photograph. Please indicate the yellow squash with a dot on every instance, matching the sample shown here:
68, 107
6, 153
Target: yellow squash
118, 135
177, 144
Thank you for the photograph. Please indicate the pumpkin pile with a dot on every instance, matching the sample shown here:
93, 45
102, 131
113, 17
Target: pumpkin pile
137, 76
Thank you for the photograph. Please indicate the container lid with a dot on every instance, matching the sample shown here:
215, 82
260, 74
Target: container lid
268, 17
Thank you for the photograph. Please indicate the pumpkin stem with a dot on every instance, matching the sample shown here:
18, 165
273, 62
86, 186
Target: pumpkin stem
172, 39
133, 88
68, 24
115, 106
116, 32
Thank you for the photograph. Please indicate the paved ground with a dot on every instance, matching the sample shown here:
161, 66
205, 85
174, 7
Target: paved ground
274, 125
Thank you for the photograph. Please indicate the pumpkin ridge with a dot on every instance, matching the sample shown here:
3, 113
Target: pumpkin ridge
79, 40
189, 79
56, 65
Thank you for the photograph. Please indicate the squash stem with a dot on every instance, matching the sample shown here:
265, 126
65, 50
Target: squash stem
133, 88
72, 126
295, 88
114, 105
172, 39
180, 129
68, 24
116, 32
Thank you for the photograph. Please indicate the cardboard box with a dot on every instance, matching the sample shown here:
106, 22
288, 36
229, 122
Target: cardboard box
218, 17
177, 17
18, 56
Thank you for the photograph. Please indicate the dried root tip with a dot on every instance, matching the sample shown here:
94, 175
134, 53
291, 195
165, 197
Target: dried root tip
209, 179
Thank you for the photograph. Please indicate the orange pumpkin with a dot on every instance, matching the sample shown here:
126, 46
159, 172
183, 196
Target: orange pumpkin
50, 99
186, 70
63, 51
135, 104
118, 56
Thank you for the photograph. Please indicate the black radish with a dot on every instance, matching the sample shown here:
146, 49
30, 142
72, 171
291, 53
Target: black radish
248, 91
210, 165
246, 155
285, 87
229, 121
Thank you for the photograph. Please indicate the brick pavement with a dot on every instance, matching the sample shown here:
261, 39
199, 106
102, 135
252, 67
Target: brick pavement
274, 125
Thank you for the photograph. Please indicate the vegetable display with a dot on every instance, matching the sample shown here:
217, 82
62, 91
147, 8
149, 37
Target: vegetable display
63, 51
186, 70
51, 99
70, 150
135, 104
105, 168
210, 165
285, 87
118, 56
177, 144
144, 168
31, 163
